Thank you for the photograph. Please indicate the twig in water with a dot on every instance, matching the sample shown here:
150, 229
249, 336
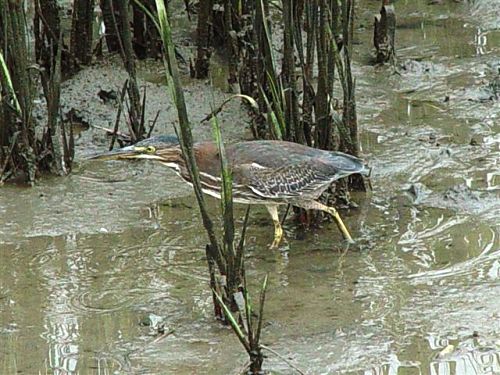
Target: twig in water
283, 358
101, 180
117, 121
110, 131
8, 156
133, 136
162, 336
243, 369
143, 109
156, 340
153, 124
247, 98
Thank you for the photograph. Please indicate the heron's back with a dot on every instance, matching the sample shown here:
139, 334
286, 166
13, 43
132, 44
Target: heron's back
275, 170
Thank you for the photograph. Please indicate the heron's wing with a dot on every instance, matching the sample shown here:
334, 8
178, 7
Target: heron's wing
289, 181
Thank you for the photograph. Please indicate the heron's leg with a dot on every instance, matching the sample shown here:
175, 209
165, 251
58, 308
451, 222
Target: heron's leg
314, 205
278, 231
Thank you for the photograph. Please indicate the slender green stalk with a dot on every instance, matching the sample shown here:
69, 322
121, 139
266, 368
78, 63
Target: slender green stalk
268, 79
279, 101
149, 14
234, 324
348, 127
344, 133
232, 257
276, 125
248, 316
229, 260
226, 198
261, 309
250, 341
241, 245
185, 136
8, 84
268, 53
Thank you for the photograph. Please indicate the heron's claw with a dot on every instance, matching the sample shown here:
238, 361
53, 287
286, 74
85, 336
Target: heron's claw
275, 244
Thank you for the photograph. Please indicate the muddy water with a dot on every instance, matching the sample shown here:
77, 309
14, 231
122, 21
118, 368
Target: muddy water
86, 260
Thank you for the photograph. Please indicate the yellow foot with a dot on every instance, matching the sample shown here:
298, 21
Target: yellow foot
278, 235
275, 244
341, 225
278, 231
314, 205
350, 241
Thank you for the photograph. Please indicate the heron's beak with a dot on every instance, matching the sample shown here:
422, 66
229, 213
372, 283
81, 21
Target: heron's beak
127, 153
367, 171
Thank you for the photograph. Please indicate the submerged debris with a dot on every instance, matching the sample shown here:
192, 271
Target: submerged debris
461, 193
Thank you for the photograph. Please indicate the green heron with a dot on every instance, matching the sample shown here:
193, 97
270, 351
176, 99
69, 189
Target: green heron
271, 173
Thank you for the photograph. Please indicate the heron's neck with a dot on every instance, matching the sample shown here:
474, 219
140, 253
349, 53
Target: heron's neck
172, 164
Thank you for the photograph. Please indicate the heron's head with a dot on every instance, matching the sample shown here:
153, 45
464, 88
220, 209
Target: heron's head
153, 148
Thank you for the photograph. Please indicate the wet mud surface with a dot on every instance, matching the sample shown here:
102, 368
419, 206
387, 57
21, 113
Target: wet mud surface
87, 260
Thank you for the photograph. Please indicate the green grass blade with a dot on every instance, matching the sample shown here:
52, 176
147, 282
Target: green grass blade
234, 324
8, 83
184, 135
273, 119
268, 38
279, 102
149, 14
261, 309
226, 190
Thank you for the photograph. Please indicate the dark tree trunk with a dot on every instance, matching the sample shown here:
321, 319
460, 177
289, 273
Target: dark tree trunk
261, 58
251, 72
218, 23
111, 24
47, 31
323, 95
256, 360
127, 53
18, 148
81, 32
384, 33
350, 143
308, 103
294, 130
231, 27
140, 39
146, 40
55, 147
204, 39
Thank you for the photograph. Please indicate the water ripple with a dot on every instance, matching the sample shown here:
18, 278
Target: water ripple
113, 299
487, 259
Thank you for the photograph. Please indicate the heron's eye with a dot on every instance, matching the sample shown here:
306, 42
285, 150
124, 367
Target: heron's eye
150, 149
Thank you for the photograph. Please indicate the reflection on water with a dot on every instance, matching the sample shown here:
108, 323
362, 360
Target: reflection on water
468, 361
86, 259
